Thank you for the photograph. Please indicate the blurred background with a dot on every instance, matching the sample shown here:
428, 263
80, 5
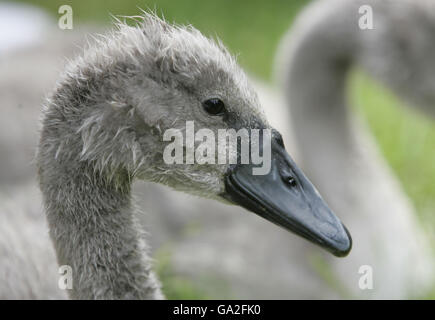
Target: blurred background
251, 30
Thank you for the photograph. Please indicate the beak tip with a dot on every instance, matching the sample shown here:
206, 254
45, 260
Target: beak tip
344, 246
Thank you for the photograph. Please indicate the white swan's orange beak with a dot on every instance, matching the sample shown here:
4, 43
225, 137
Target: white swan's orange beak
287, 198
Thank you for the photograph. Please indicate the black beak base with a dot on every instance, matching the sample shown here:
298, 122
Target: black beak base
287, 198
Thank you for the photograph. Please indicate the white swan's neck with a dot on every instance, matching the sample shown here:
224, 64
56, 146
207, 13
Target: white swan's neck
320, 116
319, 53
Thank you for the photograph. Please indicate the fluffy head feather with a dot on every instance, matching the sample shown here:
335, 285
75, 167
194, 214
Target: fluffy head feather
113, 104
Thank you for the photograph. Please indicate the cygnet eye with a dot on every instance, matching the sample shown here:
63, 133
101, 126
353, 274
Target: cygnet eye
214, 106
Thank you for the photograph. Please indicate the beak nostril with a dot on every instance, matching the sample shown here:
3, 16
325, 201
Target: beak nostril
290, 181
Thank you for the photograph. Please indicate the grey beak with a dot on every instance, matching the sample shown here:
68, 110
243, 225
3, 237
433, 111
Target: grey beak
287, 198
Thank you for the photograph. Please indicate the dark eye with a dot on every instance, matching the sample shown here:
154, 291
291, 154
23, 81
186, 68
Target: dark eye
214, 106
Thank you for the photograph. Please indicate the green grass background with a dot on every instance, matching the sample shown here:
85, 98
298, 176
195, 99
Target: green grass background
252, 29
